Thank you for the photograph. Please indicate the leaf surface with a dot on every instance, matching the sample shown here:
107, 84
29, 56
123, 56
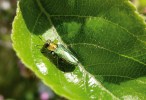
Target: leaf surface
108, 38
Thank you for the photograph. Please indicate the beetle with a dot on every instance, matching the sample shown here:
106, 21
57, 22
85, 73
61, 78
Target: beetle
61, 51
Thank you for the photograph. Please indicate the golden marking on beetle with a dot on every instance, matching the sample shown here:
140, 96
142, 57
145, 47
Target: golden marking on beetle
52, 47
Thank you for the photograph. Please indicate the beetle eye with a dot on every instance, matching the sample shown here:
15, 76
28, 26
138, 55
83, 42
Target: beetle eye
46, 45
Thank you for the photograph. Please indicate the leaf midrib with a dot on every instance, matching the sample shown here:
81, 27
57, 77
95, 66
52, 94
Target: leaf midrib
100, 47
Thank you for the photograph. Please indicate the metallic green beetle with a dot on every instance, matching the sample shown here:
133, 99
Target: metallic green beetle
61, 52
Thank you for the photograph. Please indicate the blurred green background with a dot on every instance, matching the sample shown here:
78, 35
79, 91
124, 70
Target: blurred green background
16, 81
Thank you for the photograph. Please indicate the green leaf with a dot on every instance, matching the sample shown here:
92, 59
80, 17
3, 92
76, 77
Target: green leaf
107, 37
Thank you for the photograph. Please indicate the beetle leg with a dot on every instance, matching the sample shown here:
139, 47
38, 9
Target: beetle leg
53, 53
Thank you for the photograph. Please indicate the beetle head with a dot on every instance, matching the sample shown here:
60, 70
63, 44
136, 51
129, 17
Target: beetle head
50, 45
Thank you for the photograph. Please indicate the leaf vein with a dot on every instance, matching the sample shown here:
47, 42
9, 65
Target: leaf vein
95, 45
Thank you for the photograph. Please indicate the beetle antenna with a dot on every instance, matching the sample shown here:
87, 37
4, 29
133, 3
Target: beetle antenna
41, 39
